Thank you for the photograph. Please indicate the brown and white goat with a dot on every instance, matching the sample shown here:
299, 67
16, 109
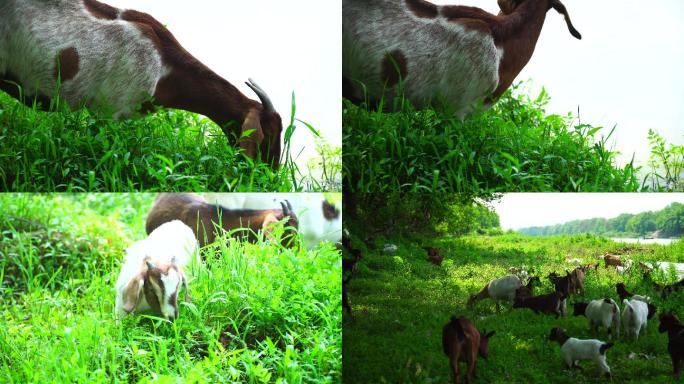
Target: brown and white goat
460, 54
675, 346
113, 59
461, 341
206, 220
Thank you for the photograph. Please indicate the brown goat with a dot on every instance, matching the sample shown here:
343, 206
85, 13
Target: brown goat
611, 260
462, 342
551, 303
622, 291
434, 255
675, 346
204, 218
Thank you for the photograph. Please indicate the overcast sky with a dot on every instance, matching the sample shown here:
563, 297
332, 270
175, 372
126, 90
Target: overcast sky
520, 210
284, 46
626, 70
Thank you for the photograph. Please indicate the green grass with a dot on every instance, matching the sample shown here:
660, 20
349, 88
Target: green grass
515, 146
401, 302
170, 150
259, 312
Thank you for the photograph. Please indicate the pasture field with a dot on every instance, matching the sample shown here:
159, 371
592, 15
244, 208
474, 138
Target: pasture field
259, 313
401, 302
513, 147
170, 150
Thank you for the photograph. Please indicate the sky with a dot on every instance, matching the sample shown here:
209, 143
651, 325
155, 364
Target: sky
626, 70
285, 46
521, 210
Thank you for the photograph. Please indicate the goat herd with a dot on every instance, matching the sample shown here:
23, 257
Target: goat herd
463, 342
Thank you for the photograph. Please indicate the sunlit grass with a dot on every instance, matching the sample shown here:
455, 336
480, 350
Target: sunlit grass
399, 309
259, 312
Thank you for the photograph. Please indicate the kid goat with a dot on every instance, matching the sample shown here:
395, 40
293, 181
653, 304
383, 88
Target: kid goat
154, 270
108, 58
574, 349
461, 54
202, 217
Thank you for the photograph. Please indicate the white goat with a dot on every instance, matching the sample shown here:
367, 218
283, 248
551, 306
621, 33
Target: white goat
319, 220
461, 54
574, 349
153, 271
601, 312
499, 289
635, 316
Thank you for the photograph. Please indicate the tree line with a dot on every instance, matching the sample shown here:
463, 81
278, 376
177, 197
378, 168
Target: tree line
666, 223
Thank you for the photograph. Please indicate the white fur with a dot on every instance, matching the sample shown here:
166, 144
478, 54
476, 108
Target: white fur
574, 350
503, 289
444, 59
172, 242
604, 314
635, 317
118, 66
314, 228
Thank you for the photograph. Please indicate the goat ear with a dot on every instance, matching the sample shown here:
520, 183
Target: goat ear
132, 292
251, 135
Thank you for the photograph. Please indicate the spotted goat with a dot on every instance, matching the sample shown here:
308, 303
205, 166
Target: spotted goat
461, 55
154, 270
115, 60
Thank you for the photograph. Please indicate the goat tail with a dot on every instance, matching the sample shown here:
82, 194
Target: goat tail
605, 347
456, 324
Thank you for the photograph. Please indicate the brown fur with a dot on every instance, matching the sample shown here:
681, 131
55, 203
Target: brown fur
101, 10
434, 255
200, 216
66, 64
394, 67
612, 260
330, 213
462, 342
516, 29
422, 8
675, 346
194, 87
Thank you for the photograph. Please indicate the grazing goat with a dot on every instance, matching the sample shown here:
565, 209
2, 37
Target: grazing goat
154, 270
577, 276
462, 55
113, 59
319, 220
203, 217
434, 255
601, 312
498, 289
622, 291
574, 350
552, 303
611, 260
635, 316
461, 341
675, 346
528, 290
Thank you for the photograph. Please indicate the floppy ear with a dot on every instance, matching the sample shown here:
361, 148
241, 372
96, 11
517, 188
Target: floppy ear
250, 141
132, 292
135, 286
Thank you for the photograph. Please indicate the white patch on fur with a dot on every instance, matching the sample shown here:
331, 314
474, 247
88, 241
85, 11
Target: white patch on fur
575, 349
118, 66
444, 59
